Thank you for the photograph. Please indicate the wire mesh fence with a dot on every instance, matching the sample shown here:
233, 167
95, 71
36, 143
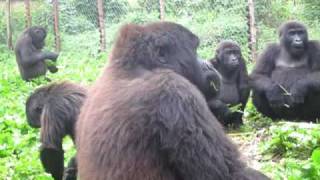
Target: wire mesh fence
92, 24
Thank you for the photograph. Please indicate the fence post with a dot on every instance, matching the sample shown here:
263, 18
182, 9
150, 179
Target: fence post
27, 13
252, 30
101, 25
161, 8
56, 25
9, 29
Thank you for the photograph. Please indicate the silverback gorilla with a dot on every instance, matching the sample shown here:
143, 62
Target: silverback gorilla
286, 77
144, 118
30, 58
55, 109
235, 90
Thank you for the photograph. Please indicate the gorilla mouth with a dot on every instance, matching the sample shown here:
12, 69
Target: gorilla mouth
298, 46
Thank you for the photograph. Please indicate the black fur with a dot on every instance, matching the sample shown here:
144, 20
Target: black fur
286, 77
145, 119
30, 58
55, 109
235, 90
213, 79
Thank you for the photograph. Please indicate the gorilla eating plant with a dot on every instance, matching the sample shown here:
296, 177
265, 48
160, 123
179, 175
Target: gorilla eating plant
30, 58
286, 77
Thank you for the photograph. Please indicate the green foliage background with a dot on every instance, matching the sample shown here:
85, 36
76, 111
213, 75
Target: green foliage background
289, 150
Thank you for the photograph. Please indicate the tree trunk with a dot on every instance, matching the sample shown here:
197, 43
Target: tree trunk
27, 13
101, 25
9, 30
252, 30
161, 7
56, 25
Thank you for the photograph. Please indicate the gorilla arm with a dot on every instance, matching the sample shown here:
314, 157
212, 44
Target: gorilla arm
260, 80
32, 56
260, 77
192, 139
312, 81
243, 83
220, 110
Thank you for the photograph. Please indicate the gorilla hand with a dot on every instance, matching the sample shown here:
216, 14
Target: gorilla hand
70, 174
53, 69
298, 93
275, 96
52, 55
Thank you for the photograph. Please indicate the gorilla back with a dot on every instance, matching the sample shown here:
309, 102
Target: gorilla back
286, 78
145, 118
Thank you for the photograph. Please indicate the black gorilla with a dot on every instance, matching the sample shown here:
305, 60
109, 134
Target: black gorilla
286, 77
30, 58
212, 92
144, 118
55, 109
235, 90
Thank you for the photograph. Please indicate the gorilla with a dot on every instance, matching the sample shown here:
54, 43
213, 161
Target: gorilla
145, 117
235, 90
286, 77
31, 60
213, 90
55, 108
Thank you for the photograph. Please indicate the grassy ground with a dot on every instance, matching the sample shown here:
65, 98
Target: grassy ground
282, 150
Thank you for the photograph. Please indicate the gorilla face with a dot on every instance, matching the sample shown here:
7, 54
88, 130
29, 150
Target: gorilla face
34, 106
38, 35
230, 58
294, 37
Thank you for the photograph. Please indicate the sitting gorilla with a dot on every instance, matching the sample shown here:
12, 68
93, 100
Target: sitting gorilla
30, 58
229, 62
145, 117
286, 78
55, 109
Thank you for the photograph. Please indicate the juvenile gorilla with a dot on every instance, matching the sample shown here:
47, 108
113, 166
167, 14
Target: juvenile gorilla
235, 81
55, 109
30, 58
145, 118
286, 78
212, 92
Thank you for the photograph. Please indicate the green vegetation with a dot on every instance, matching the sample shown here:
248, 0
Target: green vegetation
283, 150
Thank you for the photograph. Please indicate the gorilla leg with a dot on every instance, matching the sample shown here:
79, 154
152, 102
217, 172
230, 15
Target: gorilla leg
261, 103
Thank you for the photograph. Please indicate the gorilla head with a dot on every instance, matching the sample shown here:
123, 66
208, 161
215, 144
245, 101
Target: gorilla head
212, 77
38, 35
34, 106
159, 49
294, 37
228, 55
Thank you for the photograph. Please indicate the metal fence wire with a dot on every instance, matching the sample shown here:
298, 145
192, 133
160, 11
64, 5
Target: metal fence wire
92, 24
